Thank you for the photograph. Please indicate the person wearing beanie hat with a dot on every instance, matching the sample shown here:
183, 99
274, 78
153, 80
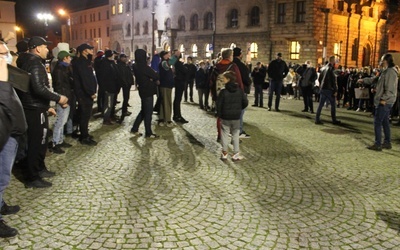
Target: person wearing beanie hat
277, 71
62, 82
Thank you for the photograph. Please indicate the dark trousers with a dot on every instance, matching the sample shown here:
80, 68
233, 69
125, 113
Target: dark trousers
158, 101
109, 105
381, 120
179, 89
126, 91
100, 99
38, 125
203, 93
189, 84
326, 95
144, 115
275, 87
308, 98
258, 95
85, 106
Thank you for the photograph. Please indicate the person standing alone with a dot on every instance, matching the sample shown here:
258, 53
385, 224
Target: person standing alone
277, 71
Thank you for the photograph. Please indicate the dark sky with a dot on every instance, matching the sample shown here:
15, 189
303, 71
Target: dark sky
27, 10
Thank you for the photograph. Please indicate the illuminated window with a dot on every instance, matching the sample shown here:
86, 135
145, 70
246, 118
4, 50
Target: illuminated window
194, 22
182, 48
301, 11
233, 18
254, 50
336, 49
208, 51
120, 7
194, 50
255, 16
294, 50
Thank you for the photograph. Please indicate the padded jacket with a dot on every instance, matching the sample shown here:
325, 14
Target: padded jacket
39, 94
145, 76
230, 102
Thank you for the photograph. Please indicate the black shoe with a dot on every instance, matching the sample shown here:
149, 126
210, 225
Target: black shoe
7, 231
88, 141
387, 145
337, 122
39, 183
75, 135
191, 100
56, 149
46, 173
311, 112
254, 105
152, 136
6, 209
126, 113
269, 108
319, 122
180, 120
304, 110
64, 145
277, 110
375, 147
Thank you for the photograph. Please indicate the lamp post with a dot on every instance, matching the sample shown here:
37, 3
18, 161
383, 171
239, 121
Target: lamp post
19, 29
62, 12
45, 17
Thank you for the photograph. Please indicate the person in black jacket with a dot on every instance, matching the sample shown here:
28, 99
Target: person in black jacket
277, 71
100, 92
12, 126
230, 103
147, 80
202, 85
126, 82
85, 88
62, 84
191, 75
181, 74
36, 108
259, 73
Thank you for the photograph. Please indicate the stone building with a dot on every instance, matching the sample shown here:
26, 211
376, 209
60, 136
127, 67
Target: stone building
91, 26
7, 21
351, 30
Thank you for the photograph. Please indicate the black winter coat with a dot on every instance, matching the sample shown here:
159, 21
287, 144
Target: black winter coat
62, 80
230, 102
108, 76
244, 73
259, 75
85, 85
181, 72
39, 94
12, 118
146, 77
125, 74
192, 69
278, 70
201, 79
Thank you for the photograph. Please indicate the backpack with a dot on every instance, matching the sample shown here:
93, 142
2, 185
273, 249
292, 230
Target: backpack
217, 82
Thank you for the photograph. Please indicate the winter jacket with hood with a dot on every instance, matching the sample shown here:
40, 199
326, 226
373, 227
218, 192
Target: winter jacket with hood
220, 68
62, 79
108, 75
145, 76
230, 102
244, 73
39, 94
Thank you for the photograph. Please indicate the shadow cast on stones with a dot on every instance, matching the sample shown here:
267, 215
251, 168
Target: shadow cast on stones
391, 218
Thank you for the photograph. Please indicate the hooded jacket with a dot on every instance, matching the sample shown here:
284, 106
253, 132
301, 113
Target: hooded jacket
62, 79
85, 85
108, 75
145, 76
39, 94
230, 102
220, 68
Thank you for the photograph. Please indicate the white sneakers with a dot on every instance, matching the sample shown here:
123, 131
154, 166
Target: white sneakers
235, 157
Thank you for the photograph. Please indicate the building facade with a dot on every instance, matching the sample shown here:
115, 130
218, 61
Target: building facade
7, 22
353, 31
90, 26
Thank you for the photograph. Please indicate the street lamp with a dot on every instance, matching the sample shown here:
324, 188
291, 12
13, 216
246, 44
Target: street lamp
18, 29
62, 12
45, 17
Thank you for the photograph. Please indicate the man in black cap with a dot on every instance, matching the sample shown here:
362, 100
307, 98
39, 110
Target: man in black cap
36, 107
85, 88
245, 75
126, 82
277, 71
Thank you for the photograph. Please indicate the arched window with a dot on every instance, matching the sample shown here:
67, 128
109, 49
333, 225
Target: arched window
255, 16
120, 7
137, 29
145, 4
128, 30
194, 22
136, 4
208, 51
146, 28
208, 21
233, 18
254, 50
194, 50
128, 6
167, 47
181, 23
168, 24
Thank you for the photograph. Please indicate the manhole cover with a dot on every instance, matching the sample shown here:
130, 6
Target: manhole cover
336, 131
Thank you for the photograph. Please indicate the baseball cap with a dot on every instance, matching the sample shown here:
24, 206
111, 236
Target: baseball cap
84, 46
37, 41
62, 54
122, 55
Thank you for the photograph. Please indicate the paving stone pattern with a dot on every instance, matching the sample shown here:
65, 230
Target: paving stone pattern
301, 186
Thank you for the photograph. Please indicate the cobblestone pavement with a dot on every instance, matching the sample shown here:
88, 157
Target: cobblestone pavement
300, 186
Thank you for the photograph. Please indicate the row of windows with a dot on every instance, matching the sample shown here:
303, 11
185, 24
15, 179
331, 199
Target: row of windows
92, 18
89, 35
300, 13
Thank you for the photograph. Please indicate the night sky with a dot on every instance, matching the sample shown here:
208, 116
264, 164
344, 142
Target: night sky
27, 10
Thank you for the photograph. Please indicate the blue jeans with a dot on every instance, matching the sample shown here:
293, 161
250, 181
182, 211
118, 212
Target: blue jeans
381, 119
7, 157
275, 86
146, 115
62, 118
326, 95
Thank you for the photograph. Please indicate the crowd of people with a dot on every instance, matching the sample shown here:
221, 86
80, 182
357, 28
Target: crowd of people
79, 78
